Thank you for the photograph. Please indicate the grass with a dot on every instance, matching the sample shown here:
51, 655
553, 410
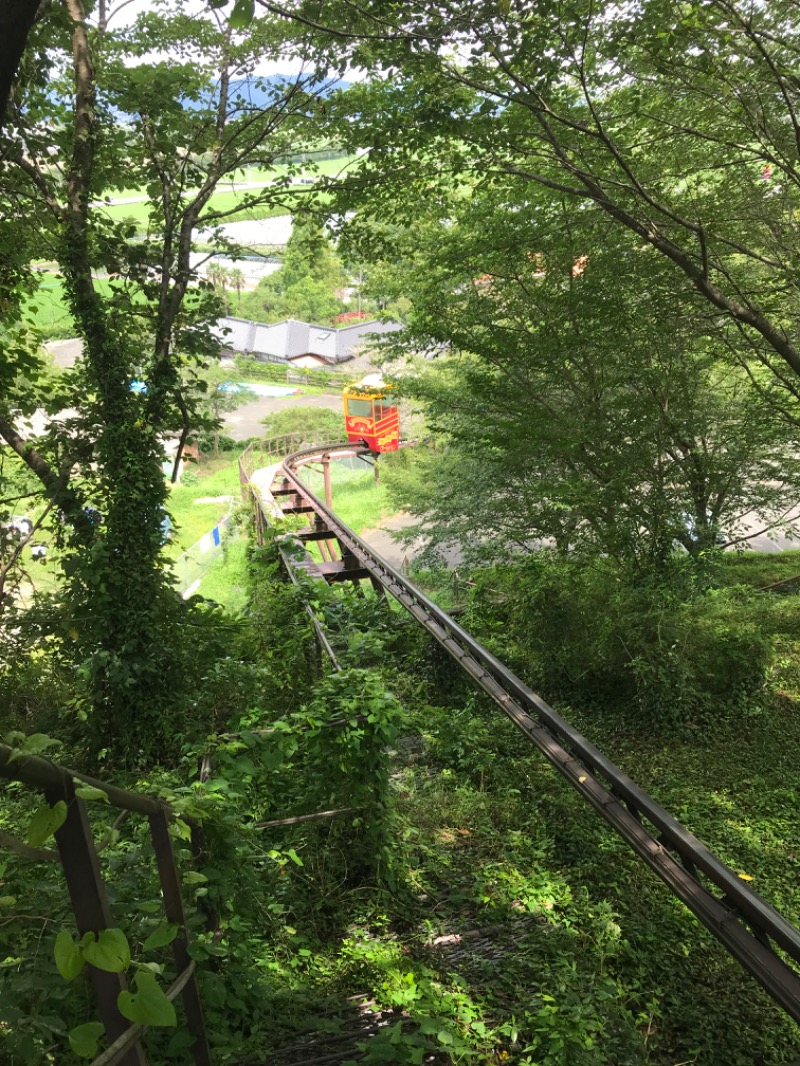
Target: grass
48, 310
591, 959
191, 520
234, 200
761, 568
226, 580
221, 201
357, 500
256, 175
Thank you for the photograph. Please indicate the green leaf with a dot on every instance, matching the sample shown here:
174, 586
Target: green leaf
7, 901
83, 1039
69, 959
45, 822
242, 14
294, 857
161, 936
148, 1005
89, 792
181, 830
192, 877
149, 906
35, 744
110, 952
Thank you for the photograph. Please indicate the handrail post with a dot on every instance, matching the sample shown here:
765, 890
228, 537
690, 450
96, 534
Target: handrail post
173, 906
87, 893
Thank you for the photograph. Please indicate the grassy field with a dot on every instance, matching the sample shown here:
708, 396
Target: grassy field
762, 568
225, 581
48, 311
234, 199
262, 175
222, 201
213, 478
356, 499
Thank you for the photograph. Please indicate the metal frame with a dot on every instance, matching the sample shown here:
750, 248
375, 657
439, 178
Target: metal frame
87, 892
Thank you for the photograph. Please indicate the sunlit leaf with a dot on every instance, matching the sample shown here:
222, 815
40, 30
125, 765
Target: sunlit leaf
148, 1005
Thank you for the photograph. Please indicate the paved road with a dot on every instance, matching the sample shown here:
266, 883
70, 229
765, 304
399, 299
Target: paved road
65, 352
241, 424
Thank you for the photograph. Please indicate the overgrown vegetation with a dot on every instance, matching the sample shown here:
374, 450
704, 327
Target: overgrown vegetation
469, 896
586, 218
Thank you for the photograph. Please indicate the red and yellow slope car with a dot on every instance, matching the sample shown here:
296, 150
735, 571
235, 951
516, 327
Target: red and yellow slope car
370, 414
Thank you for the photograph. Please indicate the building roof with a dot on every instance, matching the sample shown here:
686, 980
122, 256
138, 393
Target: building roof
288, 340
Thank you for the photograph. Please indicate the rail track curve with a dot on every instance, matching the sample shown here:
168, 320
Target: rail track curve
751, 930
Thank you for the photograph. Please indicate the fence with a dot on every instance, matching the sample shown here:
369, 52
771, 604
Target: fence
87, 891
314, 377
191, 567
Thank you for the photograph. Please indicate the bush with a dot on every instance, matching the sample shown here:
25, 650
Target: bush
273, 373
592, 634
207, 442
313, 424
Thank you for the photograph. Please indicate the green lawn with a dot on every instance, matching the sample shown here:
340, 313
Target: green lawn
47, 309
231, 199
357, 500
222, 201
263, 175
761, 568
191, 521
226, 580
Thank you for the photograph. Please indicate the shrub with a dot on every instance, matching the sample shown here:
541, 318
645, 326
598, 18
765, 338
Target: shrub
218, 442
591, 633
317, 425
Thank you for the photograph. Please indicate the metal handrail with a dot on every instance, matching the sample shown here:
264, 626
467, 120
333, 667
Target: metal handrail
673, 852
78, 856
43, 774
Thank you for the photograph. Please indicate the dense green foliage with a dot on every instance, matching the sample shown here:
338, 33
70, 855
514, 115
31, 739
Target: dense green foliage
586, 216
137, 306
459, 829
676, 123
595, 403
313, 424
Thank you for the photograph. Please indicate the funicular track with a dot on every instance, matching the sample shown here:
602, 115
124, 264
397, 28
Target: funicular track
757, 935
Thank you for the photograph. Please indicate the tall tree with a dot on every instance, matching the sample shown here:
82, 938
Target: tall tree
580, 399
16, 21
98, 113
678, 121
306, 286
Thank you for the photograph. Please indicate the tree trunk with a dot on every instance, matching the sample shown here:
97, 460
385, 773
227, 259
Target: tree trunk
16, 21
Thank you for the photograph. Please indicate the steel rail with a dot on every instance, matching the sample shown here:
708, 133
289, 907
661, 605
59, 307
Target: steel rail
672, 851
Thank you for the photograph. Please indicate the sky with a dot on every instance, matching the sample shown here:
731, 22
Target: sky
122, 13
